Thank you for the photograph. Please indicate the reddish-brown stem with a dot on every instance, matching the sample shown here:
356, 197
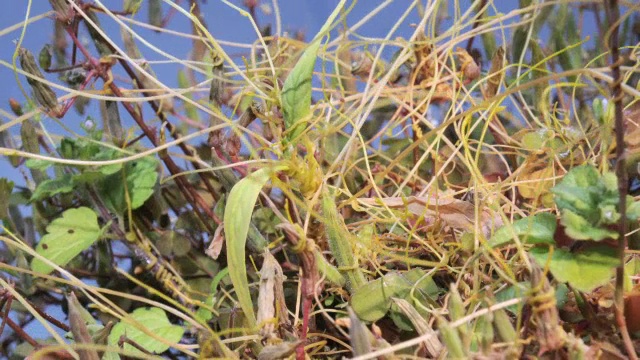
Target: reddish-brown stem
170, 127
6, 299
306, 310
188, 191
475, 25
49, 318
66, 68
125, 340
20, 332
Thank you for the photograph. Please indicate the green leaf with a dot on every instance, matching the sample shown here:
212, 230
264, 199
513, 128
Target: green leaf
373, 300
332, 274
583, 270
141, 176
536, 229
67, 237
156, 323
38, 164
588, 202
296, 92
512, 292
579, 228
340, 243
633, 209
51, 187
237, 217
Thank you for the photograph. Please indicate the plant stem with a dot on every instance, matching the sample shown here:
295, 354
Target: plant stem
613, 15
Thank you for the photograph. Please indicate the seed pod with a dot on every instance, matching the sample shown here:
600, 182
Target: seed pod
6, 141
43, 93
217, 83
101, 43
16, 107
495, 74
451, 339
44, 58
111, 121
29, 135
63, 11
155, 13
132, 6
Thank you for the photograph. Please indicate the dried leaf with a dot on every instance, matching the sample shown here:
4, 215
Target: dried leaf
457, 214
215, 246
271, 301
432, 344
79, 328
237, 218
359, 336
496, 74
470, 70
279, 351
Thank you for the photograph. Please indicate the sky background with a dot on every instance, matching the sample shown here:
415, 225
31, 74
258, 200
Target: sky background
224, 23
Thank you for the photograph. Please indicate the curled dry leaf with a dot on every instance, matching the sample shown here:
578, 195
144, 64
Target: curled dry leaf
537, 183
271, 301
279, 351
457, 214
215, 246
470, 70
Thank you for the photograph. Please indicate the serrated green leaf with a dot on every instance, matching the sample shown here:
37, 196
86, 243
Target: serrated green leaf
583, 270
51, 187
140, 176
589, 195
155, 321
66, 237
296, 92
38, 164
536, 229
237, 217
583, 176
